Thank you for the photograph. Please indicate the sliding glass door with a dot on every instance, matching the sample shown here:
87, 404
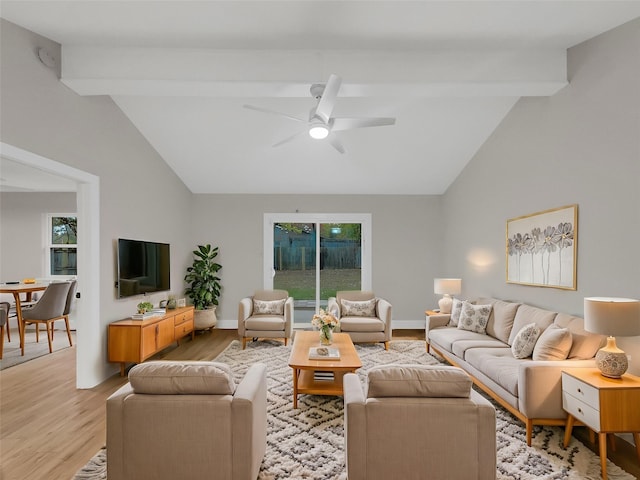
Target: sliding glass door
312, 256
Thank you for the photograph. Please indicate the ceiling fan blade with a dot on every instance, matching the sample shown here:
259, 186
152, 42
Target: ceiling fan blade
335, 143
266, 110
328, 100
288, 139
338, 124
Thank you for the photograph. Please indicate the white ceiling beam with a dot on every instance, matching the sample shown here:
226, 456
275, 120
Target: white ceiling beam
242, 73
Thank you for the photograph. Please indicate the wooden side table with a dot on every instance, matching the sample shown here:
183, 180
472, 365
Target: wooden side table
605, 405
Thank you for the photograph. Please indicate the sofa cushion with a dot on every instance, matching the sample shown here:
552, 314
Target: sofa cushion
418, 381
460, 347
268, 307
474, 317
527, 314
554, 344
584, 344
365, 308
361, 324
525, 341
456, 310
498, 364
501, 319
182, 378
445, 337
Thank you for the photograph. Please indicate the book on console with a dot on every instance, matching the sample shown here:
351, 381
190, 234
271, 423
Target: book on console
324, 353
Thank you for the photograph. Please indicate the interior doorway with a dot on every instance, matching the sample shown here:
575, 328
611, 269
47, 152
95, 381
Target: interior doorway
89, 364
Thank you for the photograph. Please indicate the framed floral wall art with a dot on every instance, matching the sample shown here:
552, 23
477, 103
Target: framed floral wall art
542, 248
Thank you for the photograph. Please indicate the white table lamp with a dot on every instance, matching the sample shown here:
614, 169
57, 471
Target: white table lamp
614, 317
446, 287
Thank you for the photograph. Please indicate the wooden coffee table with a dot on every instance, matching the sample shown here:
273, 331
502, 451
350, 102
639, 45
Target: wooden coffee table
304, 380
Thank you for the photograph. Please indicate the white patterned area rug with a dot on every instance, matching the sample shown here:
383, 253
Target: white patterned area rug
308, 443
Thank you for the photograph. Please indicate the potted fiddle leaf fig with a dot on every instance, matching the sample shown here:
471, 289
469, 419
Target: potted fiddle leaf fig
204, 286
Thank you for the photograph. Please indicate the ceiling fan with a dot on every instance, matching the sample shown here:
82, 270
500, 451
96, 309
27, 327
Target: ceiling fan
320, 123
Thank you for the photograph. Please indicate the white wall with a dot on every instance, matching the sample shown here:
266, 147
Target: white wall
579, 146
406, 233
21, 230
140, 197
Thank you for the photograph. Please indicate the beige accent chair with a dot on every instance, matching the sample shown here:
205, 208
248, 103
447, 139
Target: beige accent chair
187, 421
362, 327
266, 314
418, 421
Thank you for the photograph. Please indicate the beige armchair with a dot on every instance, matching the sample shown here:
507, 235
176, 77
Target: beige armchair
187, 420
267, 314
415, 422
362, 315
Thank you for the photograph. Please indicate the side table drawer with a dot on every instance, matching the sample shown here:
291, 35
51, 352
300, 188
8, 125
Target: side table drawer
581, 391
581, 411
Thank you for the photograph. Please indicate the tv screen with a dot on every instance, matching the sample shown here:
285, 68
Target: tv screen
143, 267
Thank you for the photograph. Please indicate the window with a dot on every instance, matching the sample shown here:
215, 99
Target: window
62, 251
314, 255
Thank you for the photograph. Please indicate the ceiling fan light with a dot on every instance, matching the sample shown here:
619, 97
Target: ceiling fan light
318, 132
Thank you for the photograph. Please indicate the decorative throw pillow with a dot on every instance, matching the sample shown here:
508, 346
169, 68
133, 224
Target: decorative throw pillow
456, 310
554, 344
474, 317
268, 307
366, 308
525, 341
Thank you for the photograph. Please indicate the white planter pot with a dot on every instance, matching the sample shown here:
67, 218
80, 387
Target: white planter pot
205, 319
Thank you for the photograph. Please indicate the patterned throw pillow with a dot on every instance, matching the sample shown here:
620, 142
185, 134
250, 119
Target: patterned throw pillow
268, 307
525, 341
456, 310
365, 308
474, 317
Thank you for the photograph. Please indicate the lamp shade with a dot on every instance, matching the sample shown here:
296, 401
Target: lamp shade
447, 286
618, 317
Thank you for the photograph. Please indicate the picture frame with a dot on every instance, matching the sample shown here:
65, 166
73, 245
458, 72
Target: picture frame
182, 302
541, 248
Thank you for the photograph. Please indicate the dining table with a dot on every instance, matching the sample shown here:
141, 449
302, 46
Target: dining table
18, 289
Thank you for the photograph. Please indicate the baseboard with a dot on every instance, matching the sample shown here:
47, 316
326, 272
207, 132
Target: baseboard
395, 325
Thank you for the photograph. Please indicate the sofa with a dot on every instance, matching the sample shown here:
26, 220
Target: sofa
187, 420
418, 421
365, 317
515, 353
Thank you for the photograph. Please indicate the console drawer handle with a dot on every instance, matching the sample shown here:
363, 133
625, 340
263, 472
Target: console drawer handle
580, 410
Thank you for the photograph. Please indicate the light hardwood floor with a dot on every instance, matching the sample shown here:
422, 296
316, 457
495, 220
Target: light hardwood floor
49, 429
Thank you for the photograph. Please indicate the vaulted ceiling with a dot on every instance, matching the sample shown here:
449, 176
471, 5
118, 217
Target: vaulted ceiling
448, 71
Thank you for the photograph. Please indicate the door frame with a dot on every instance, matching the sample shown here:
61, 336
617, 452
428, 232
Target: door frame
363, 219
90, 344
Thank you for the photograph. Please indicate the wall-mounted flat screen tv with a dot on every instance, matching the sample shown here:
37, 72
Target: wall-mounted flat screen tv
143, 267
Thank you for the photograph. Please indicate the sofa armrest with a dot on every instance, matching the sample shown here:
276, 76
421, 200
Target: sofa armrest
115, 432
540, 386
355, 426
249, 422
245, 309
435, 321
384, 309
288, 317
333, 307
